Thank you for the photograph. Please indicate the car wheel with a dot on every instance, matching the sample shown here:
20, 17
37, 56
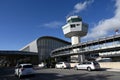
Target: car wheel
89, 69
19, 75
62, 67
55, 67
75, 68
15, 75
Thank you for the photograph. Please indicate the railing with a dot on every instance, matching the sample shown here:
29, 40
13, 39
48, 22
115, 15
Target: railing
68, 50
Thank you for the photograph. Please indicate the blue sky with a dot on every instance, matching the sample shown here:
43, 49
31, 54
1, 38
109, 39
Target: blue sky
22, 21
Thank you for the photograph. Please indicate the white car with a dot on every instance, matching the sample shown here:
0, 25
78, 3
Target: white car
88, 65
24, 69
42, 65
62, 65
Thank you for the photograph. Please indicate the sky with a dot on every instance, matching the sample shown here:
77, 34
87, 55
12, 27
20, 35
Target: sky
22, 21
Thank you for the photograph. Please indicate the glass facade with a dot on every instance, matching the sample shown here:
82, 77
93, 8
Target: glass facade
74, 20
47, 44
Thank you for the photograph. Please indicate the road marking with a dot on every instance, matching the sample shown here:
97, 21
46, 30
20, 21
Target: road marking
59, 75
24, 79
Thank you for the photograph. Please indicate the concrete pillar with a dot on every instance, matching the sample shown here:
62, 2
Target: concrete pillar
81, 58
76, 40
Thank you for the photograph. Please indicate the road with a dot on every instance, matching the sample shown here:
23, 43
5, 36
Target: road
62, 74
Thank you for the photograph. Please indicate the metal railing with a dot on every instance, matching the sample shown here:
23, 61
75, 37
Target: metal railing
67, 50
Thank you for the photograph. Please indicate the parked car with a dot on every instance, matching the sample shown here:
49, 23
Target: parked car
88, 66
42, 65
24, 69
62, 65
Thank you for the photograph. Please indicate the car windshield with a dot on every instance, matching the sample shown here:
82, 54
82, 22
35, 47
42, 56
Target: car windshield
27, 66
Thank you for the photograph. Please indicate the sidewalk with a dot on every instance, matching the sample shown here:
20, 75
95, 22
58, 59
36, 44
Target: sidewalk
112, 69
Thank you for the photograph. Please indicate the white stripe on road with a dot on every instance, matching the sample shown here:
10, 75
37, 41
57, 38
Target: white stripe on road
59, 75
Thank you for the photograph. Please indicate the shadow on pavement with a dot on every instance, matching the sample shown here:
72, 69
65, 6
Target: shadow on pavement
57, 76
6, 71
54, 76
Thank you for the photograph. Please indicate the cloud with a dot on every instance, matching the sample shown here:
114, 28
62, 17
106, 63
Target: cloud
53, 24
104, 26
80, 7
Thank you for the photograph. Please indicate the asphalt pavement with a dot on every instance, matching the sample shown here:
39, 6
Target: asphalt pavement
112, 69
63, 74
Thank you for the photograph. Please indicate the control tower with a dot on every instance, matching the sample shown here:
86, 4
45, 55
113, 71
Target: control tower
75, 29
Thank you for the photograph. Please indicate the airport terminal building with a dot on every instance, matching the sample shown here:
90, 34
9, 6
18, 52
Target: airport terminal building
47, 47
35, 52
44, 45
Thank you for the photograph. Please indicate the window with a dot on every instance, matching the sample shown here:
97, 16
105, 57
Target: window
84, 63
60, 63
27, 66
95, 63
88, 62
74, 20
78, 24
72, 25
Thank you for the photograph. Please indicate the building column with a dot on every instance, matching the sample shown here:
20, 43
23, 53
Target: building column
80, 58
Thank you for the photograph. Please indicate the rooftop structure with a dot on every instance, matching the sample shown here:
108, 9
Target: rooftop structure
75, 27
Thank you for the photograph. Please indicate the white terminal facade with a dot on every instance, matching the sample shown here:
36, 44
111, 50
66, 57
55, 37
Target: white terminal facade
75, 29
